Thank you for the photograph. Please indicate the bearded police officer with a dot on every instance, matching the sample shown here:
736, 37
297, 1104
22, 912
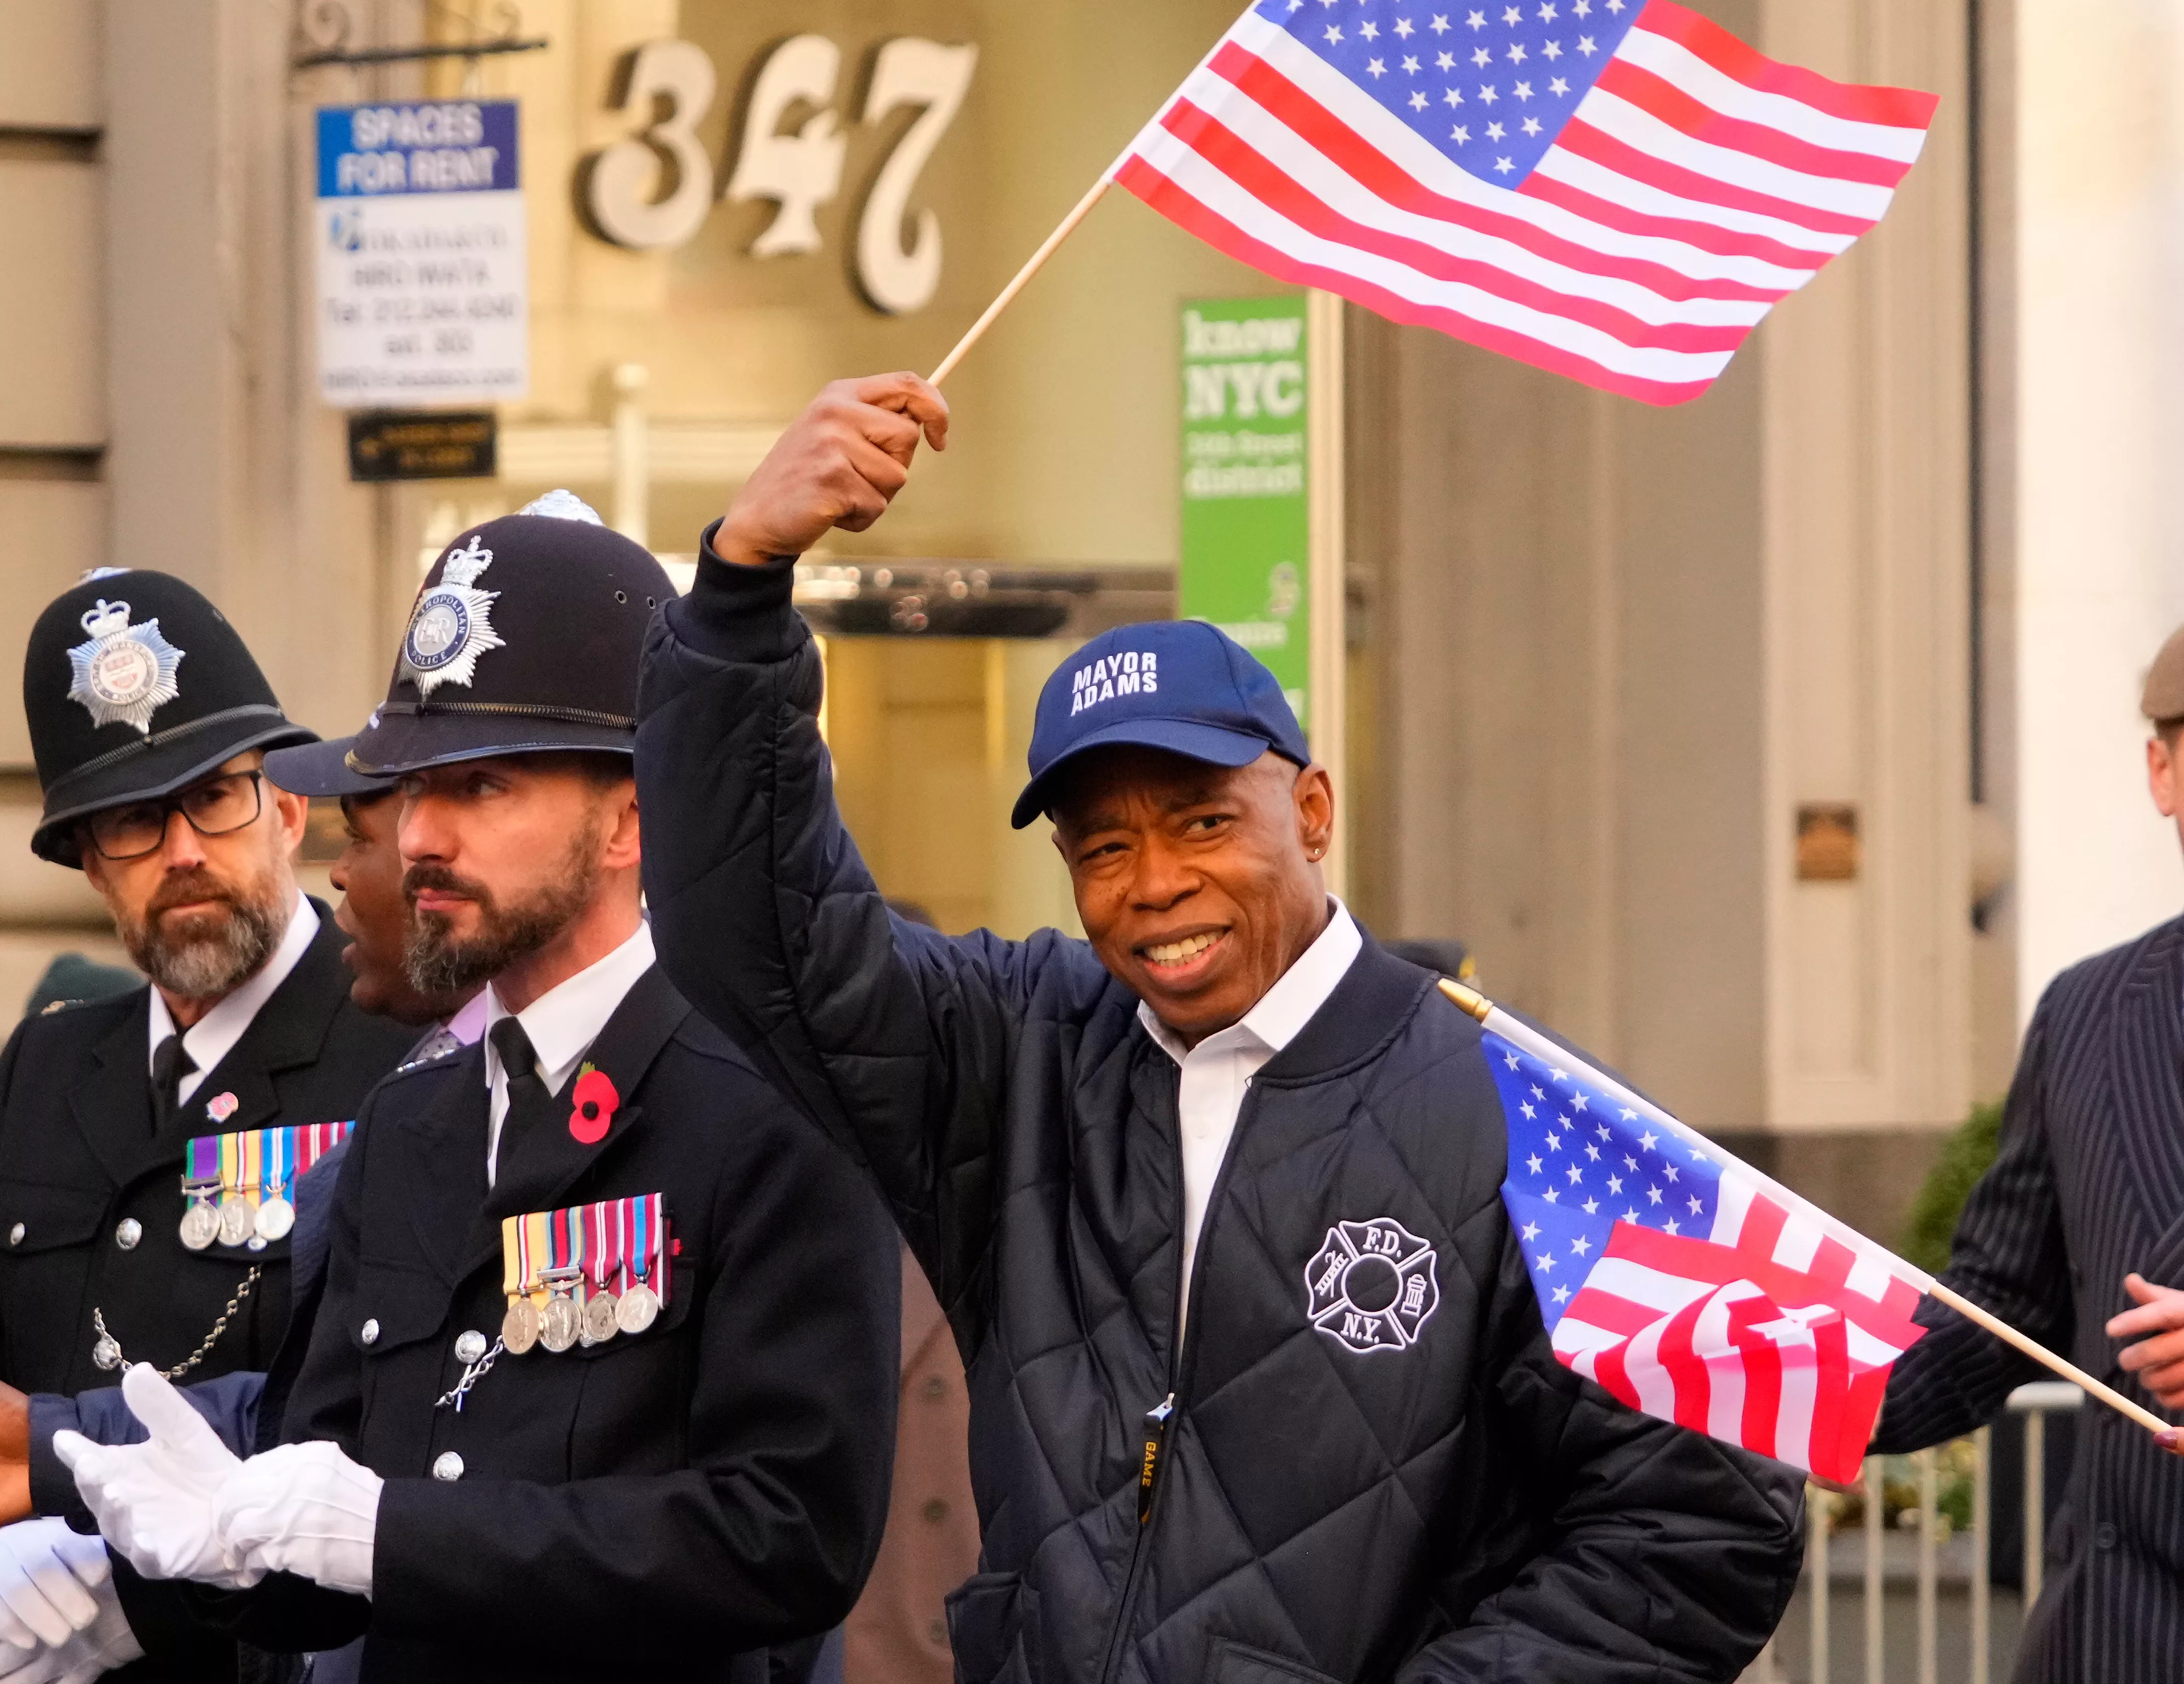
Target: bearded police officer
1119, 1160
150, 720
602, 1382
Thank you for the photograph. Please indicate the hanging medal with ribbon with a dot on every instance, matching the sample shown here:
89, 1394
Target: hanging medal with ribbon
201, 1184
602, 1251
519, 1237
644, 1290
239, 1158
276, 1215
562, 1321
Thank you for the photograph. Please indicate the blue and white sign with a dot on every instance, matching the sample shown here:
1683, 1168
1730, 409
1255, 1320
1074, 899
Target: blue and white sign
423, 293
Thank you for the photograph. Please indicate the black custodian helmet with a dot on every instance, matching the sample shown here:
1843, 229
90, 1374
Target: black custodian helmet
134, 686
528, 636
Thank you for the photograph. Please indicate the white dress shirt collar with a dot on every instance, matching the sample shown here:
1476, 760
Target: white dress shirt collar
1216, 1073
213, 1036
562, 1023
1292, 1002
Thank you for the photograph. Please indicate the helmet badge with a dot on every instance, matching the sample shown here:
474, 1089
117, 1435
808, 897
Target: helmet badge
453, 623
126, 673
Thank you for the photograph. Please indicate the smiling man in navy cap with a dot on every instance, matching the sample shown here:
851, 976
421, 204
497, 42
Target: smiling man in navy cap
1124, 1162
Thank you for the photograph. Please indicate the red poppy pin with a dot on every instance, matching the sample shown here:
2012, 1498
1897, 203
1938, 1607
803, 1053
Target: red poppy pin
597, 1102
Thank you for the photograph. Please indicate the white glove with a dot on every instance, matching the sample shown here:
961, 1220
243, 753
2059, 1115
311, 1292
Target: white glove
155, 1501
303, 1508
59, 1585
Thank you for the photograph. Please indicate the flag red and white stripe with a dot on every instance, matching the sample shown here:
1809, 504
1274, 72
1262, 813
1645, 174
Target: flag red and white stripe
1770, 1332
1697, 183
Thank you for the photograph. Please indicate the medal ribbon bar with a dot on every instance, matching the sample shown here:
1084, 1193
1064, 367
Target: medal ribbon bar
616, 1243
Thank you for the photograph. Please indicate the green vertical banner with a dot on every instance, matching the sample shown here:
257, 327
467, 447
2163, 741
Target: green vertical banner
1246, 501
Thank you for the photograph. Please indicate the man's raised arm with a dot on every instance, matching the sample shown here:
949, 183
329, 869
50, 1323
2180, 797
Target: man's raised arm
764, 914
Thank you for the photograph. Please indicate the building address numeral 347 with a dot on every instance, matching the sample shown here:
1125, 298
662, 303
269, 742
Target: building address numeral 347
672, 83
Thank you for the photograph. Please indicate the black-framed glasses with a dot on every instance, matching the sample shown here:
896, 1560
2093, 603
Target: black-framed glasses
216, 807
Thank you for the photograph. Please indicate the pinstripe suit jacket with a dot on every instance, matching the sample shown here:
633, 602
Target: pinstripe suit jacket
2088, 1185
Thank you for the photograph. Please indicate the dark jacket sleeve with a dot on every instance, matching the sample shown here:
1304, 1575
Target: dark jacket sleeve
768, 1532
1654, 1554
230, 1403
2008, 1257
896, 1039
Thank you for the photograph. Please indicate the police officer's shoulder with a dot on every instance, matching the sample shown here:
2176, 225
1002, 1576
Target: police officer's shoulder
700, 1037
436, 1068
62, 1021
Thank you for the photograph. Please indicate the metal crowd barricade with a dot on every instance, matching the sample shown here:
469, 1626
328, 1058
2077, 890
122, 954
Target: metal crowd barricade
1820, 1664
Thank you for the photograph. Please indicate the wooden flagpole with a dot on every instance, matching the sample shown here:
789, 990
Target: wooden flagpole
1475, 1005
1023, 278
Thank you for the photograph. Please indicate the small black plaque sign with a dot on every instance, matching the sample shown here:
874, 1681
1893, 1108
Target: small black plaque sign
390, 444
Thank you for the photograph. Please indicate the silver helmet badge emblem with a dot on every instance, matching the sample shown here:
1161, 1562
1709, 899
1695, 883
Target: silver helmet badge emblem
126, 673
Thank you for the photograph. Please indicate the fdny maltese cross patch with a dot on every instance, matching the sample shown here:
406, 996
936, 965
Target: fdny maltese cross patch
453, 624
1372, 1286
126, 673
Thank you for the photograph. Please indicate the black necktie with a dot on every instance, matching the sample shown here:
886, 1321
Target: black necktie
519, 1062
169, 1064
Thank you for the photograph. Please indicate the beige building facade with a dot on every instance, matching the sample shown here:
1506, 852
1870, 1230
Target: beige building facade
1706, 728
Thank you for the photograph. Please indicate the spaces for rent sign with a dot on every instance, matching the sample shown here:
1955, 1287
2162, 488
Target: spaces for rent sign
1246, 525
423, 274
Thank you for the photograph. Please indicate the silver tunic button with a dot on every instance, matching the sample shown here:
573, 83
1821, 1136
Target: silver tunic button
16, 1235
129, 1232
371, 1333
471, 1346
447, 1465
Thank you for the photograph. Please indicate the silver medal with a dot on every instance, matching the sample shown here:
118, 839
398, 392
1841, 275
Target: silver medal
638, 1309
520, 1328
564, 1324
275, 1218
200, 1224
237, 1222
600, 1323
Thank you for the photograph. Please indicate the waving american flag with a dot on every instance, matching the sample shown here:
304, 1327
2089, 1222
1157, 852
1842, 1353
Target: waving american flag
1688, 1283
1616, 190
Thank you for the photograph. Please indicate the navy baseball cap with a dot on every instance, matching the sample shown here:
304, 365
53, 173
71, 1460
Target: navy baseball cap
1180, 685
322, 770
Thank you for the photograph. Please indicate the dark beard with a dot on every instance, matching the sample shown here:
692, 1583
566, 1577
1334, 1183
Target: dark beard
440, 964
208, 964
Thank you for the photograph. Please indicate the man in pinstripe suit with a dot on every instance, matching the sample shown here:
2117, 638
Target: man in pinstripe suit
2083, 1207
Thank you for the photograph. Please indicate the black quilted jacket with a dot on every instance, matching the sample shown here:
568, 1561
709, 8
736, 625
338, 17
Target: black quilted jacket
1463, 1508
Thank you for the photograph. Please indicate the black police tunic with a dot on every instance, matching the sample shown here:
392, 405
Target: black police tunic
91, 1187
657, 1506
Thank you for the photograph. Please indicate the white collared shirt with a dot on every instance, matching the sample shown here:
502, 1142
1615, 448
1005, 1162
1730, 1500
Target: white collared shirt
213, 1036
1219, 1070
562, 1024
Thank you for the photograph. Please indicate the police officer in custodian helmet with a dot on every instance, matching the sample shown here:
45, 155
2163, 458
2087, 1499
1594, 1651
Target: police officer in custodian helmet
150, 1143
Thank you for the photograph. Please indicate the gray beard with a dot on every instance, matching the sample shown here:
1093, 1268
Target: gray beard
213, 965
439, 964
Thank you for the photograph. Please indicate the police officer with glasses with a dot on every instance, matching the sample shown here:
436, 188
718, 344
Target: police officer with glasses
150, 722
